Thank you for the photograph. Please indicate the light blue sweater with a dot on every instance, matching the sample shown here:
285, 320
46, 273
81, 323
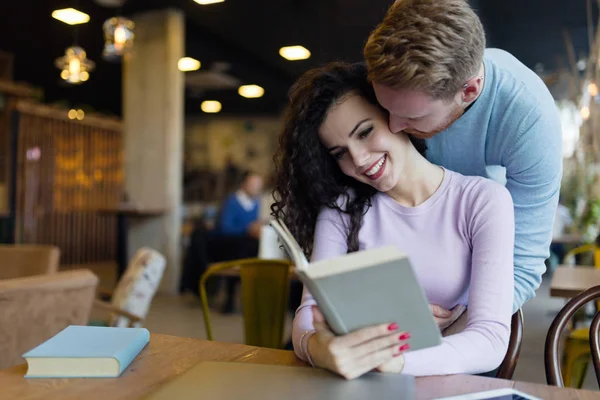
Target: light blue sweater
512, 134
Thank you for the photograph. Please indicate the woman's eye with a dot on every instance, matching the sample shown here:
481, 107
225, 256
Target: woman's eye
338, 156
365, 133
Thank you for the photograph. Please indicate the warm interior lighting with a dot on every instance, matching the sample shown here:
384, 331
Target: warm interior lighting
72, 114
80, 115
74, 65
593, 89
251, 91
70, 16
120, 36
210, 106
294, 53
186, 64
205, 2
585, 113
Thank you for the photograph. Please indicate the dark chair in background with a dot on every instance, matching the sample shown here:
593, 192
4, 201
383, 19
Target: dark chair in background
507, 368
554, 373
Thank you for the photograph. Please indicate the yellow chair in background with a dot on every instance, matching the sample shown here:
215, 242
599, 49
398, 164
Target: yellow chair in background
577, 353
265, 288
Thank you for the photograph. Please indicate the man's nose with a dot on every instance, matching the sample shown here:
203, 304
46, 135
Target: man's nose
397, 124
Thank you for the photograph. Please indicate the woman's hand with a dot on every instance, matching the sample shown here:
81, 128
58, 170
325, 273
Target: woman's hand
356, 353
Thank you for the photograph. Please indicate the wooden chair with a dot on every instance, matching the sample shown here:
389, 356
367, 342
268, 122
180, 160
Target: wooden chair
554, 375
35, 308
265, 287
507, 368
576, 351
19, 261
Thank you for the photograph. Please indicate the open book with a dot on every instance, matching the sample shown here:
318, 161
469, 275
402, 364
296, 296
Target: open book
365, 288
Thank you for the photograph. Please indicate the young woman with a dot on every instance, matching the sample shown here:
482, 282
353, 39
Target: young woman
347, 183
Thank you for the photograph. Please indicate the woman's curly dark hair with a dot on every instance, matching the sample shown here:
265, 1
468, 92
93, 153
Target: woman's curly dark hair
308, 178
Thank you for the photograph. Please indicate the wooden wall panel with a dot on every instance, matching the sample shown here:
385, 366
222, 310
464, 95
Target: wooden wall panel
69, 173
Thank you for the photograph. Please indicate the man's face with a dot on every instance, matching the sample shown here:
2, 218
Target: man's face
417, 113
253, 185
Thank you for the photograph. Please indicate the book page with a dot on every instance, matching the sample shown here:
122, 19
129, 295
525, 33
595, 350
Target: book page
291, 245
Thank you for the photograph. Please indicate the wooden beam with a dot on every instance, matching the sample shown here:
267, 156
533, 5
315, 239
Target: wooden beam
19, 89
94, 121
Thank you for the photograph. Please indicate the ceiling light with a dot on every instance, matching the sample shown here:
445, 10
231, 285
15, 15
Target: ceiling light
210, 106
70, 16
118, 37
72, 114
205, 2
186, 64
294, 53
251, 91
74, 65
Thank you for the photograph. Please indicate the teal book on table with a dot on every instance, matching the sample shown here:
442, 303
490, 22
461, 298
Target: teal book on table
86, 352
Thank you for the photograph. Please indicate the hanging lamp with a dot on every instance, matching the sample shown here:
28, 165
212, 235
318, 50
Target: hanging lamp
74, 65
118, 38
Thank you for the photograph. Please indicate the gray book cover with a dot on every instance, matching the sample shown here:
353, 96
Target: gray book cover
366, 288
382, 293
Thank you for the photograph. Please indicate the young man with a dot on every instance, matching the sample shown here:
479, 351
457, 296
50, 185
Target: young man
481, 111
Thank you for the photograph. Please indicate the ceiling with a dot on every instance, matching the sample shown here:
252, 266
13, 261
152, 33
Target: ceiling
246, 35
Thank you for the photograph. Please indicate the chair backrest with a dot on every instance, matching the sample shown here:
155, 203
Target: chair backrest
137, 287
551, 351
19, 261
265, 288
507, 368
33, 309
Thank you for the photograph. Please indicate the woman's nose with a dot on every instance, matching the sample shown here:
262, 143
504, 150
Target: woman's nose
359, 157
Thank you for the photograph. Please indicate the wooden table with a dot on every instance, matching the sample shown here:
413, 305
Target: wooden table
569, 281
168, 356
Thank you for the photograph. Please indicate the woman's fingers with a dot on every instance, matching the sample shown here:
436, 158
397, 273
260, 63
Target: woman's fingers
359, 352
400, 340
367, 334
369, 362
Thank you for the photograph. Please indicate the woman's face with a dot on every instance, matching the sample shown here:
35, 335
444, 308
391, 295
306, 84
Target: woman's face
357, 135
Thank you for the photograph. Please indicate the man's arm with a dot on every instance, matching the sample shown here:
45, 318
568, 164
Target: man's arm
533, 164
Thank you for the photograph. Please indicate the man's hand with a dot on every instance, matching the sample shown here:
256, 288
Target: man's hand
444, 317
458, 326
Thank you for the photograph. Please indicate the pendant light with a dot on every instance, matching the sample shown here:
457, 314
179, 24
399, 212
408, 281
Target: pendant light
74, 65
118, 38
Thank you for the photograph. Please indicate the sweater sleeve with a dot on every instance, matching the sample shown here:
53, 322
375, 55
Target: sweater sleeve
481, 346
329, 242
533, 176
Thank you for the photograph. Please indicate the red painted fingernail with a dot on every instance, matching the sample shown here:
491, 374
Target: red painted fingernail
404, 336
404, 347
392, 327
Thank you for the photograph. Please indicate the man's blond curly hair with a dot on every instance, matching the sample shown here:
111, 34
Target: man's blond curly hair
433, 46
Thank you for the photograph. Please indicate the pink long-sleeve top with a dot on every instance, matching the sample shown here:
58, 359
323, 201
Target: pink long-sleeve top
460, 243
